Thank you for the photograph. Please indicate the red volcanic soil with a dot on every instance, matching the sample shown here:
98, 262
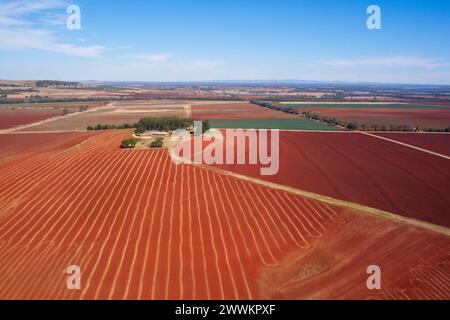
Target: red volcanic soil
141, 227
235, 111
14, 118
363, 169
414, 264
423, 118
172, 231
14, 147
436, 142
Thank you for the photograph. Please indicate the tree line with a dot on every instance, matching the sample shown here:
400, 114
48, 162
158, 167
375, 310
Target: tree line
154, 124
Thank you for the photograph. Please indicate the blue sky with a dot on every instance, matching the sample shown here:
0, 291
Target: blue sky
164, 40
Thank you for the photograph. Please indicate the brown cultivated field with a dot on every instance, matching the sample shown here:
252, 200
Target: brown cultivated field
436, 142
20, 147
141, 227
363, 169
422, 118
113, 113
235, 111
13, 118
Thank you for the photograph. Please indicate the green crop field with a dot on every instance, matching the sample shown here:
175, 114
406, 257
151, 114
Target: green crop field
364, 105
282, 124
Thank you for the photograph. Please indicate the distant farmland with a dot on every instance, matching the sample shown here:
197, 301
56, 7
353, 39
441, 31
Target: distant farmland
422, 116
365, 106
240, 110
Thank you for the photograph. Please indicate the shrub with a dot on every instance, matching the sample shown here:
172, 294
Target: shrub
156, 144
139, 128
352, 126
129, 143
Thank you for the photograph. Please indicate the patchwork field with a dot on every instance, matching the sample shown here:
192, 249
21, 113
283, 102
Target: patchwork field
422, 116
141, 227
114, 113
358, 105
363, 169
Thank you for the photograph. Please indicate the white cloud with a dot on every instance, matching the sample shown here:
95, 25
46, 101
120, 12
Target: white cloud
19, 32
37, 39
13, 13
152, 57
389, 62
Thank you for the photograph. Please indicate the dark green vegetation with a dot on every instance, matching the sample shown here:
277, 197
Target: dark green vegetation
100, 127
169, 124
129, 143
155, 124
165, 123
53, 83
282, 124
156, 144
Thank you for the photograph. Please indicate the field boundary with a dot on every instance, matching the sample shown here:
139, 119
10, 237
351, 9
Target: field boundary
359, 208
406, 145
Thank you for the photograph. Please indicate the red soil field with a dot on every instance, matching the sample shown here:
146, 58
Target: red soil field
141, 227
235, 111
15, 118
414, 264
363, 169
436, 142
423, 118
15, 147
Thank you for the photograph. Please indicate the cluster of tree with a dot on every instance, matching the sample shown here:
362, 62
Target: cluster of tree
168, 124
154, 124
100, 127
129, 143
53, 83
156, 144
